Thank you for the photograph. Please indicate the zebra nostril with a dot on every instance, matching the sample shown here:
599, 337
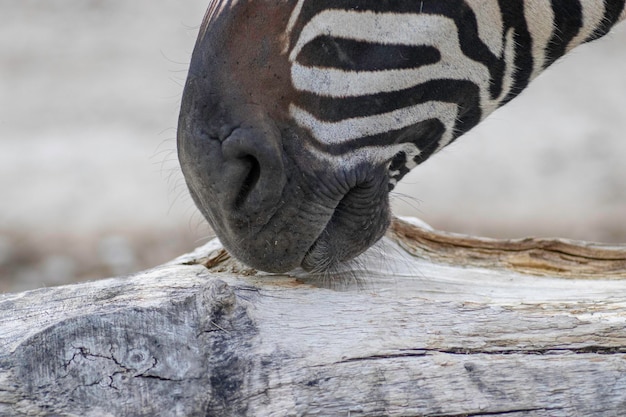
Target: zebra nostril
256, 175
250, 180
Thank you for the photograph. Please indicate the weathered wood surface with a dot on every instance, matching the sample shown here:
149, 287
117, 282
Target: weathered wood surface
426, 324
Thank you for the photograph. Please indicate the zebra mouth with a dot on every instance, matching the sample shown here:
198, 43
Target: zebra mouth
359, 220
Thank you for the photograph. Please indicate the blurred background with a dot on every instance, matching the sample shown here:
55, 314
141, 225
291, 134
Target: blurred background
90, 185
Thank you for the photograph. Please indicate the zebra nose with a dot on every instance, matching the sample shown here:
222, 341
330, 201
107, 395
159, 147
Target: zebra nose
256, 175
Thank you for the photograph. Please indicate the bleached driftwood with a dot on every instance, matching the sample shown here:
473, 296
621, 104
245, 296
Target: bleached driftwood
426, 324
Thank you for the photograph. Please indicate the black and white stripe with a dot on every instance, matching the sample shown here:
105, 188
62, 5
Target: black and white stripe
382, 80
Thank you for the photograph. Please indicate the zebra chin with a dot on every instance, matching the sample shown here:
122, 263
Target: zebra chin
339, 242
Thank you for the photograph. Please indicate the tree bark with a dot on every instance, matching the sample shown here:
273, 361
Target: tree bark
425, 324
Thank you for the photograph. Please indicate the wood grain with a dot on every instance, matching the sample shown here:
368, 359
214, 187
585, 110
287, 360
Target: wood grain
424, 324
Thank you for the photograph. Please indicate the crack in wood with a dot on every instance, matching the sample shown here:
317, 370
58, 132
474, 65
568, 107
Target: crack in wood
598, 350
418, 353
495, 413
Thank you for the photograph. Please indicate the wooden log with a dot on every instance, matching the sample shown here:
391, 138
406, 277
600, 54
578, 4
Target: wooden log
425, 324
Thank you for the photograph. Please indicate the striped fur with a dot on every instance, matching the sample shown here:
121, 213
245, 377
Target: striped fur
406, 78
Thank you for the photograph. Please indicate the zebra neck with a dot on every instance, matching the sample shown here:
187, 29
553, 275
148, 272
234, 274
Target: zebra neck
558, 26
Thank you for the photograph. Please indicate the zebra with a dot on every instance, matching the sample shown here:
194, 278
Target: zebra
299, 117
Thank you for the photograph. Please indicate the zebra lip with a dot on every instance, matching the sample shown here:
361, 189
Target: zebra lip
347, 234
320, 256
329, 251
312, 261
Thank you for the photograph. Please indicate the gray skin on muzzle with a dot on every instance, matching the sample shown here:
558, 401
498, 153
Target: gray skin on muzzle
275, 202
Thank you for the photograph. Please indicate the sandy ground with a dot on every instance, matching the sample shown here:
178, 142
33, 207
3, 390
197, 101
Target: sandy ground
90, 186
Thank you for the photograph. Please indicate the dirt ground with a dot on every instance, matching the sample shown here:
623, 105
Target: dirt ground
90, 185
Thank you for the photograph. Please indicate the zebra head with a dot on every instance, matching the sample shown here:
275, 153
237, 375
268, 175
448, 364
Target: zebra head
299, 116
282, 172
